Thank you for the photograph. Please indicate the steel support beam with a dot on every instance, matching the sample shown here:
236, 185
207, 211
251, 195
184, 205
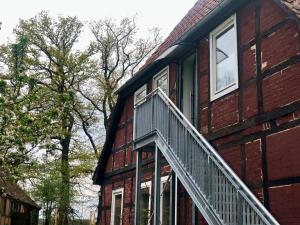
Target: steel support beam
172, 198
137, 216
194, 214
157, 186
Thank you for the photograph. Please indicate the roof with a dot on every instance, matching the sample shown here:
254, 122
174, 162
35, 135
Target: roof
13, 190
205, 12
116, 114
200, 10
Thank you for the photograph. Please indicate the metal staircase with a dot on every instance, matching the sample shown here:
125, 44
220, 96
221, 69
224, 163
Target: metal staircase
217, 191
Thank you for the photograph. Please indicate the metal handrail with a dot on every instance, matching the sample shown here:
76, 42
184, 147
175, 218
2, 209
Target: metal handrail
212, 155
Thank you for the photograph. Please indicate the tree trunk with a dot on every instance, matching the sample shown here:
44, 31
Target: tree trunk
64, 201
48, 215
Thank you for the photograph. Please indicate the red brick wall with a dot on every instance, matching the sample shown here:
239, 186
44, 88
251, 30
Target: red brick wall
255, 128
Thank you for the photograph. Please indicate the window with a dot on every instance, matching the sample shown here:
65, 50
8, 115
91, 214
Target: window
161, 80
223, 59
140, 94
117, 207
145, 203
165, 201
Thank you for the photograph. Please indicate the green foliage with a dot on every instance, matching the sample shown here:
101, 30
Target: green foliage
54, 98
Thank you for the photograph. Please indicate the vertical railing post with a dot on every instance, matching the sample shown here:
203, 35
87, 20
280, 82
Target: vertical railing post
152, 114
138, 187
157, 186
209, 179
169, 126
134, 123
194, 214
239, 208
173, 194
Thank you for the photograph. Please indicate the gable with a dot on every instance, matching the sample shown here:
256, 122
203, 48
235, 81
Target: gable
200, 12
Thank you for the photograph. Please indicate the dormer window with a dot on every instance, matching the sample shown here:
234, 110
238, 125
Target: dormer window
223, 59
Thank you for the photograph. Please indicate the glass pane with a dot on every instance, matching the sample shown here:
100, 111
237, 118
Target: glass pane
162, 82
225, 59
118, 205
166, 204
141, 95
145, 199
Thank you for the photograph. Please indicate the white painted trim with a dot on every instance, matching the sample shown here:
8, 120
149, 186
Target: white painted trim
167, 52
212, 47
148, 185
161, 73
138, 91
113, 205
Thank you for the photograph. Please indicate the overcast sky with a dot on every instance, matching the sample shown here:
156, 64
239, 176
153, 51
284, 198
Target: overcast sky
164, 14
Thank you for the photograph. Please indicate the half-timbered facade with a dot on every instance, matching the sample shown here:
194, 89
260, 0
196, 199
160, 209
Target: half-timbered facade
208, 131
16, 207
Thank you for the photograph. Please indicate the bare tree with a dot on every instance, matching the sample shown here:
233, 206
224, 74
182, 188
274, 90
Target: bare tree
119, 53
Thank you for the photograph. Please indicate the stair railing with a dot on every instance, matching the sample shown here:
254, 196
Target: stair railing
226, 194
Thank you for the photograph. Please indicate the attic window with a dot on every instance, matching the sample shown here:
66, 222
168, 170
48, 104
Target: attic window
161, 80
140, 94
223, 59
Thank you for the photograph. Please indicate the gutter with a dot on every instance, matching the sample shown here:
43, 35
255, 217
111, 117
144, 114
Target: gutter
214, 18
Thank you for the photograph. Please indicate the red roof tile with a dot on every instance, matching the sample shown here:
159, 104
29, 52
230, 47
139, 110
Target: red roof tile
201, 9
13, 190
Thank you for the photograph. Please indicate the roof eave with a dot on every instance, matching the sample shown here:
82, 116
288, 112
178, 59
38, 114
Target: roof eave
217, 15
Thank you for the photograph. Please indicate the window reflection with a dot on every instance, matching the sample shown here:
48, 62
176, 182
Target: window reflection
225, 59
118, 209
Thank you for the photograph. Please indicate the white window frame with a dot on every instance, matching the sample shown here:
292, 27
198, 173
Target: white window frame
163, 180
113, 205
212, 36
148, 185
161, 73
138, 91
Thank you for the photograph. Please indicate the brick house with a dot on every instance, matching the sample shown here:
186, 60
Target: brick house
208, 131
16, 207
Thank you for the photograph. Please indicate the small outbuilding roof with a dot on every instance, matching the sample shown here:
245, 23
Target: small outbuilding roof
12, 190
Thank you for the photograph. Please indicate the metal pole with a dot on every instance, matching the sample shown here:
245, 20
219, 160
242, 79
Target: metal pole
157, 186
194, 214
172, 198
138, 187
